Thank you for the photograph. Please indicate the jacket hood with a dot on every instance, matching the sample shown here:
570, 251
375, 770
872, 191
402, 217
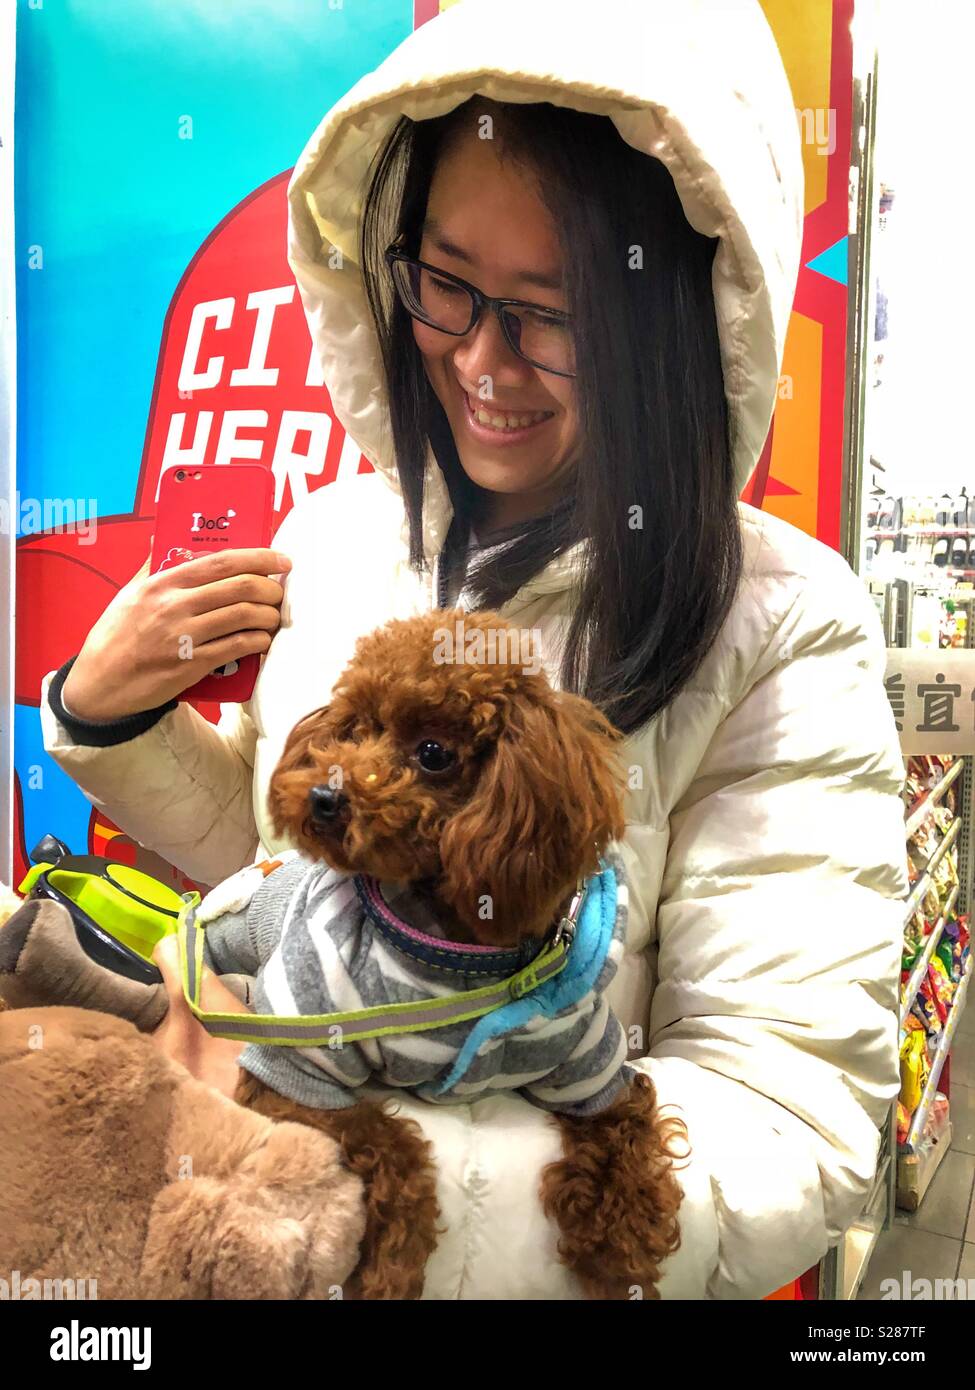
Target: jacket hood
698, 85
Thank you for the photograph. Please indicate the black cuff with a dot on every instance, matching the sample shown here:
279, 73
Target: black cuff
107, 732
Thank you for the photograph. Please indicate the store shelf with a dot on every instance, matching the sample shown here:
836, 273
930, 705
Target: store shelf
844, 1266
921, 534
916, 1172
913, 902
921, 969
860, 1242
944, 1046
933, 797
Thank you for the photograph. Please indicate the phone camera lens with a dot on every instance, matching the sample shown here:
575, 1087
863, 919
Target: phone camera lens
180, 475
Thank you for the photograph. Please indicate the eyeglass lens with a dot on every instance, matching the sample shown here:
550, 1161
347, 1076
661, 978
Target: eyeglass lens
542, 338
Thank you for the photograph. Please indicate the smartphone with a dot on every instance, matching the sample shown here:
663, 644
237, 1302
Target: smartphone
217, 506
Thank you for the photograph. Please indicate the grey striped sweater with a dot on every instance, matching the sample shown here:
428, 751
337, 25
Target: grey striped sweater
311, 940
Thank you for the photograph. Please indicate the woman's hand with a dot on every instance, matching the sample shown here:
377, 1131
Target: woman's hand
163, 632
182, 1038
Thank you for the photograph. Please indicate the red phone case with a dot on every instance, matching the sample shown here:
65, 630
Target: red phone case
201, 510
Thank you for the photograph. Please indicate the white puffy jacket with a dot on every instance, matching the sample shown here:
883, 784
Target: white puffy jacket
765, 853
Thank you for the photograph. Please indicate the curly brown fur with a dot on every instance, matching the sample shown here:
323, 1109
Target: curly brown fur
614, 1195
531, 800
393, 1160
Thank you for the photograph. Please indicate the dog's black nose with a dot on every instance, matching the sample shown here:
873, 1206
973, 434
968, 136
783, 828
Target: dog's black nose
325, 802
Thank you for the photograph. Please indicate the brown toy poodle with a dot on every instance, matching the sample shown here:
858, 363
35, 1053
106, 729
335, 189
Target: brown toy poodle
458, 770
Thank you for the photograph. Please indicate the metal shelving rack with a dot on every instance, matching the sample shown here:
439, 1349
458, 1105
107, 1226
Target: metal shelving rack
960, 834
966, 797
842, 1269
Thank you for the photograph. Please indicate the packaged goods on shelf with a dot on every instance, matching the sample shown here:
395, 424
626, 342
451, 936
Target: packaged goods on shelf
959, 933
930, 1013
921, 776
954, 624
935, 1126
929, 768
915, 1068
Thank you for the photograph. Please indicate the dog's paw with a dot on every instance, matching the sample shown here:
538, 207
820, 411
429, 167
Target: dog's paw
615, 1196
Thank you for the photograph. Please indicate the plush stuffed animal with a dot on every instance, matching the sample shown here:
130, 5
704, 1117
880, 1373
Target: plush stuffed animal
10, 902
118, 1168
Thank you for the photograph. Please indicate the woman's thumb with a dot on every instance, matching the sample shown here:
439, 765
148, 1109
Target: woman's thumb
214, 996
166, 958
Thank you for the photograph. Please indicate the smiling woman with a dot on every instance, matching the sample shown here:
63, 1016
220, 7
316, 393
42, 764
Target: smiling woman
539, 204
650, 216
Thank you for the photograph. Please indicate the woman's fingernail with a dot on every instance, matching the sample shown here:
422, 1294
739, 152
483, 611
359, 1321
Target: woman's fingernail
282, 560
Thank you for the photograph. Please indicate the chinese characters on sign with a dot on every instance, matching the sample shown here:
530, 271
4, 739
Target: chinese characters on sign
932, 695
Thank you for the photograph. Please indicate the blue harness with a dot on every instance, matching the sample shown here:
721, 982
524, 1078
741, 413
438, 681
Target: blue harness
586, 956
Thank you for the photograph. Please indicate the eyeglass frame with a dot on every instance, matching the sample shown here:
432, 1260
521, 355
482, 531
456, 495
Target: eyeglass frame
481, 301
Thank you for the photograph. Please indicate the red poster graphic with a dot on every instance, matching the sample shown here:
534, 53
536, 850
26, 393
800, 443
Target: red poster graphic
236, 380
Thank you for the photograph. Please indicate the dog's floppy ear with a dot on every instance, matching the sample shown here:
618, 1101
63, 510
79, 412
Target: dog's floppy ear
297, 743
548, 800
287, 789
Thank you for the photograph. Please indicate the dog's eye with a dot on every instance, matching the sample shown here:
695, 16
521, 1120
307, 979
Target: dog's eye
434, 757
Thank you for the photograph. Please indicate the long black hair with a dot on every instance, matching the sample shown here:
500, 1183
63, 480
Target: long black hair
654, 494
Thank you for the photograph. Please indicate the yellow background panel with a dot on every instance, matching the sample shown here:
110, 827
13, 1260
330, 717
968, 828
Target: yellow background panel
795, 443
803, 32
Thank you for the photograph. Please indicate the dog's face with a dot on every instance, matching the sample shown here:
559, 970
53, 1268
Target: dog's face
471, 774
369, 781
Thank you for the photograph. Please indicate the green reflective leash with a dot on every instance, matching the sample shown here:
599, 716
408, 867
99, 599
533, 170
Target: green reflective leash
336, 1029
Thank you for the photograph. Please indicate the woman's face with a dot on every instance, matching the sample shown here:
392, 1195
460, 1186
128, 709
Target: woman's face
486, 223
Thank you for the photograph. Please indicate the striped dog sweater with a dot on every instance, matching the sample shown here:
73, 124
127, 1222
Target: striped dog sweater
311, 940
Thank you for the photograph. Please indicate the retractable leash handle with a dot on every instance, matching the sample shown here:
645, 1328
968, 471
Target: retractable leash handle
119, 913
335, 1029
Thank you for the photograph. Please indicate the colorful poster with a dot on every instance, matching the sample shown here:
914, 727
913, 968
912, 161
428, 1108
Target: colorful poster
799, 475
157, 314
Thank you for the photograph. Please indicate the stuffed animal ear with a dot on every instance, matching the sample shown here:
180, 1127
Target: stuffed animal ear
42, 962
280, 1217
550, 797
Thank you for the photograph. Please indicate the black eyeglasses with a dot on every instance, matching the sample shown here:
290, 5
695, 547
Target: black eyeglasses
541, 336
